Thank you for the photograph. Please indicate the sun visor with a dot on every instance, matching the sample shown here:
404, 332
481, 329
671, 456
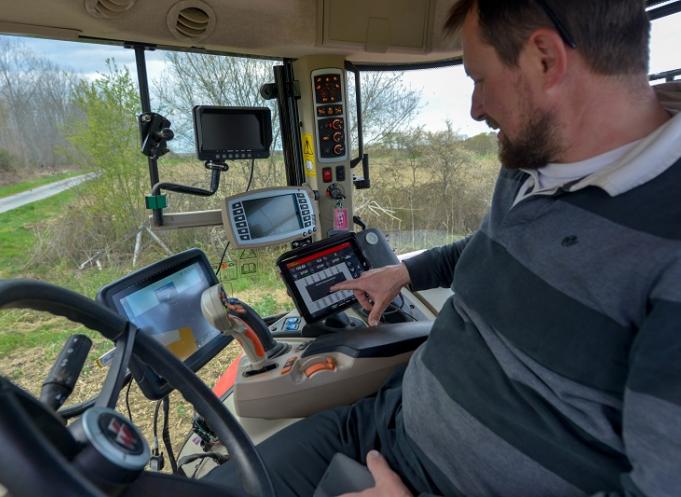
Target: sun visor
378, 27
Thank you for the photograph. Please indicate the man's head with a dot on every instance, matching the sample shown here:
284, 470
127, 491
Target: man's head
527, 56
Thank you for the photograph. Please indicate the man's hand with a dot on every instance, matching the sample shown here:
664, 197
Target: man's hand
375, 289
388, 483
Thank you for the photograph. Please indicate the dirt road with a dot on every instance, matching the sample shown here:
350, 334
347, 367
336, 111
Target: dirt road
23, 198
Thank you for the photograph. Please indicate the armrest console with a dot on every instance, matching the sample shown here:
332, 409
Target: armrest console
385, 340
336, 369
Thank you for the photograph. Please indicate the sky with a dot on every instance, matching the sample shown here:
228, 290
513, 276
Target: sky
445, 92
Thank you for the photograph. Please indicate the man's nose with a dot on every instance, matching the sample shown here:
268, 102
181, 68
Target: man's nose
477, 108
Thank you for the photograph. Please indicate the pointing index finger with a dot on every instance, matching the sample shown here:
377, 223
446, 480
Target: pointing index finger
344, 285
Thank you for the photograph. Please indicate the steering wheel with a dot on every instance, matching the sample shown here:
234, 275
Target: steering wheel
103, 453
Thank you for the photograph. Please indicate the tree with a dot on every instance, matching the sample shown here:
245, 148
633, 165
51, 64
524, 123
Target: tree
106, 139
35, 102
388, 105
192, 79
201, 79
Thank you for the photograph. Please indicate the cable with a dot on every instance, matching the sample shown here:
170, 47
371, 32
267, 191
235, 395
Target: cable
166, 435
127, 400
250, 179
156, 461
156, 409
224, 252
222, 259
393, 308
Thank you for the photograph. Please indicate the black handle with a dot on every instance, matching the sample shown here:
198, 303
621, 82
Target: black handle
64, 373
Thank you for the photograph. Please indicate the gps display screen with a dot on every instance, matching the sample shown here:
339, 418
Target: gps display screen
311, 274
169, 310
272, 216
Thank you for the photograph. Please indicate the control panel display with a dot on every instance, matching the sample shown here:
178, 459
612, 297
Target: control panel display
328, 88
330, 114
269, 217
164, 310
309, 273
164, 301
272, 216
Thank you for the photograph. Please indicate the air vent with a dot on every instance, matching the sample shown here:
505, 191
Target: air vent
191, 20
108, 9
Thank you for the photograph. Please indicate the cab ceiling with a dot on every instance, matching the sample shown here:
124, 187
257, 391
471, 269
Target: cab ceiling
364, 31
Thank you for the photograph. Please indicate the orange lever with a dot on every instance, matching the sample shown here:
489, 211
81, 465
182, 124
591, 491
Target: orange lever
328, 364
257, 344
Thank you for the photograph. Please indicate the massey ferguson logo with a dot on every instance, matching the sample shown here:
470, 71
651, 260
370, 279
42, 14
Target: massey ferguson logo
123, 435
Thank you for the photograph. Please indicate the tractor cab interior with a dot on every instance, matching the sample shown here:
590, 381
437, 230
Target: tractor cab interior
320, 354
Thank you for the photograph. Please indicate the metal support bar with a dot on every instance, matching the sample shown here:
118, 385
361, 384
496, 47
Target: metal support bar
363, 182
358, 103
668, 76
664, 10
191, 219
289, 123
145, 100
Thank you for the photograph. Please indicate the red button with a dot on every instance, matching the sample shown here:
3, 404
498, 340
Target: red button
327, 175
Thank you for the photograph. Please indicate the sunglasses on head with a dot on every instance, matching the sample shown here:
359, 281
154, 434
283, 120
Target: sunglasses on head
560, 27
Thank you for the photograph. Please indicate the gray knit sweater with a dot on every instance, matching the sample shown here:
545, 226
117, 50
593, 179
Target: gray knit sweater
555, 369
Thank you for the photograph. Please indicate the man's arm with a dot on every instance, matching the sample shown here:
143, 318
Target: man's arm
435, 267
652, 404
375, 289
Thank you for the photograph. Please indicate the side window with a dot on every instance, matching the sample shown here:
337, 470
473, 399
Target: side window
433, 167
664, 42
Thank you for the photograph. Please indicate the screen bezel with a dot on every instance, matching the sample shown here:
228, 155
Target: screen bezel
152, 385
230, 223
262, 114
306, 251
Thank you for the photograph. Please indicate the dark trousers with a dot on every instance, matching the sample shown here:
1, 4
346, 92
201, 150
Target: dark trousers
297, 456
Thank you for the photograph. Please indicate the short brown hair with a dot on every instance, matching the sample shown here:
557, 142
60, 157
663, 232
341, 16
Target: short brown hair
611, 35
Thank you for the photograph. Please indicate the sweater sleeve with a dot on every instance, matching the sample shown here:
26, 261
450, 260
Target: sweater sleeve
435, 267
652, 399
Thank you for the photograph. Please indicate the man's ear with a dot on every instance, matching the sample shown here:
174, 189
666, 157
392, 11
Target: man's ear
549, 56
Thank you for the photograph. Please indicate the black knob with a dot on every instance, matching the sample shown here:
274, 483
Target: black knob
64, 373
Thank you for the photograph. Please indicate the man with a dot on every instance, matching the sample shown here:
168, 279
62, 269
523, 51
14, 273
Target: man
555, 369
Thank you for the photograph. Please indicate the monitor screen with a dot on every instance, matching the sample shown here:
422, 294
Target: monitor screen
273, 215
311, 274
231, 132
169, 310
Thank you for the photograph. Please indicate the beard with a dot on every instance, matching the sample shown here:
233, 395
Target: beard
537, 142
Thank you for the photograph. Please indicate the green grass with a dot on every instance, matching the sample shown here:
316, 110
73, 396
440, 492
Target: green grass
16, 231
50, 334
7, 190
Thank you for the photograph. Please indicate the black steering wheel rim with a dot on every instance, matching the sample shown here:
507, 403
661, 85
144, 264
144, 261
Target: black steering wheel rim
42, 296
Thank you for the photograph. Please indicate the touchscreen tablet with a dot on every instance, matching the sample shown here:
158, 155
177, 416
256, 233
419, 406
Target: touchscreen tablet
311, 271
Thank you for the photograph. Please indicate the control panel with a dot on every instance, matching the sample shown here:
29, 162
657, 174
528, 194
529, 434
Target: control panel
270, 216
330, 114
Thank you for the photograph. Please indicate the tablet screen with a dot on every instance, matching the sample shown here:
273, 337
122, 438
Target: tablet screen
311, 274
